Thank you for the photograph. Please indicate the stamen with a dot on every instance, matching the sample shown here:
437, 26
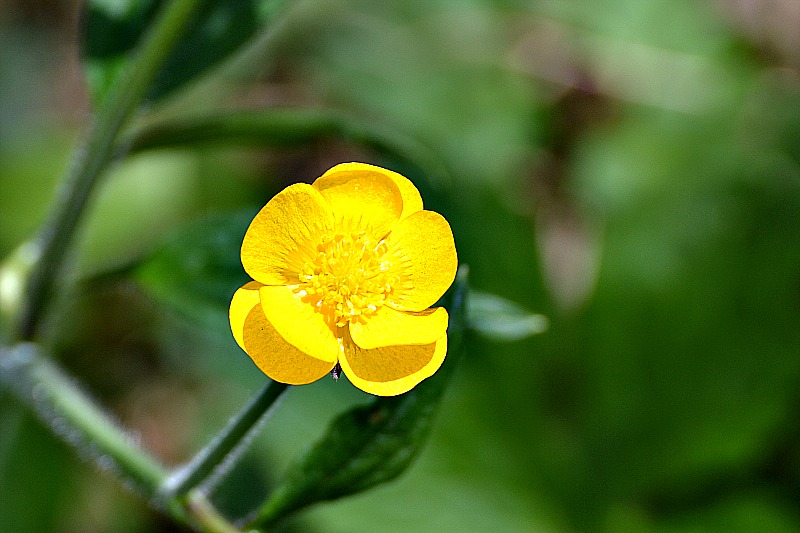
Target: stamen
349, 278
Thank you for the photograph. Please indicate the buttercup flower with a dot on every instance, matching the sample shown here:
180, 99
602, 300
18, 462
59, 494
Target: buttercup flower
346, 270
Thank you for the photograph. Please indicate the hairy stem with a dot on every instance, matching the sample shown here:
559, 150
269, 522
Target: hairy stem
225, 445
72, 414
92, 158
205, 515
39, 383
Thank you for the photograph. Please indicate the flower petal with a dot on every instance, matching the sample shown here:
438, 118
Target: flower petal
284, 234
412, 201
269, 351
393, 370
299, 323
388, 327
362, 199
244, 299
426, 260
277, 358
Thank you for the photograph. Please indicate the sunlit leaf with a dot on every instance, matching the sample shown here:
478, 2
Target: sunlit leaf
501, 320
372, 444
114, 28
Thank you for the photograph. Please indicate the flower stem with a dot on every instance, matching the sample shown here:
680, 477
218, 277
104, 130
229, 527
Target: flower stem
39, 383
286, 126
206, 515
221, 453
92, 158
74, 416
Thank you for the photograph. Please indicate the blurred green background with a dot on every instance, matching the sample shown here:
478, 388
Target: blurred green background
631, 169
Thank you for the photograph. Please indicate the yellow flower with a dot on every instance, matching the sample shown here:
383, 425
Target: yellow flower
345, 271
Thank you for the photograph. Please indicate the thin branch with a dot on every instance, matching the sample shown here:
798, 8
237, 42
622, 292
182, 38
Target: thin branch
206, 515
224, 449
72, 414
92, 158
285, 126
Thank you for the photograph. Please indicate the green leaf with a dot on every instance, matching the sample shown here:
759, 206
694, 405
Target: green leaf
115, 27
371, 444
196, 270
499, 319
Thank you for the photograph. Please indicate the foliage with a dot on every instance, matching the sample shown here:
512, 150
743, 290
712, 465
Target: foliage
629, 169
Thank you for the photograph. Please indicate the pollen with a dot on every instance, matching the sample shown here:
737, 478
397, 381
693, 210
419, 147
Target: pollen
348, 277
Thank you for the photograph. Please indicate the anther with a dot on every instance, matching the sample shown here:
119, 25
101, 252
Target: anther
349, 276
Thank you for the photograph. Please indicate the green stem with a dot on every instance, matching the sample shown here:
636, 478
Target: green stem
92, 158
222, 451
72, 414
206, 515
285, 126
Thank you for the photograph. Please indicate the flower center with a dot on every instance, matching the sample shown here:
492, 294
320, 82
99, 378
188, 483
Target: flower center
349, 279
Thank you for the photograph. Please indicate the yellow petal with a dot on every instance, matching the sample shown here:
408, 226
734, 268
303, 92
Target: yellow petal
299, 324
284, 234
277, 358
388, 327
362, 199
426, 261
392, 370
244, 299
412, 201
